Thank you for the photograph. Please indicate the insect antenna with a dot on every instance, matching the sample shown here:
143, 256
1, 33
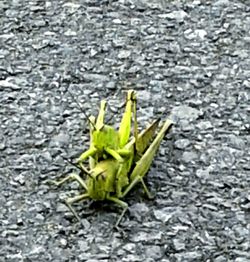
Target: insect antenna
80, 167
119, 108
82, 111
101, 174
71, 162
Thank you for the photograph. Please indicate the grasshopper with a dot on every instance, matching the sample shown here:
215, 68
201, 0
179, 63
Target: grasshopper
105, 140
117, 166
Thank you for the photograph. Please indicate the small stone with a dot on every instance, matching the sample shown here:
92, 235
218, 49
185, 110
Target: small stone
86, 257
178, 245
130, 247
10, 232
185, 112
2, 146
111, 85
144, 95
19, 221
47, 156
246, 206
246, 83
60, 139
220, 259
200, 33
179, 15
49, 129
6, 84
204, 125
39, 217
163, 215
142, 236
61, 208
181, 167
189, 256
39, 142
117, 21
189, 156
93, 52
236, 141
222, 3
203, 174
36, 249
185, 125
154, 252
134, 69
182, 143
119, 42
242, 259
129, 258
73, 6
63, 242
20, 179
138, 210
70, 33
197, 34
14, 257
85, 224
83, 245
96, 77
124, 54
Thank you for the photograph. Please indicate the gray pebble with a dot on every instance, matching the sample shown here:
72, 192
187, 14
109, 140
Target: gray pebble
178, 245
182, 143
185, 112
153, 252
189, 156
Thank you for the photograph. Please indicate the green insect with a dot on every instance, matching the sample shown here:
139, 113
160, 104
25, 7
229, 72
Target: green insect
105, 140
116, 167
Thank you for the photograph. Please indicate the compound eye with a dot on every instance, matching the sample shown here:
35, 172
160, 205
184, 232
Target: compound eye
101, 175
131, 95
90, 174
101, 128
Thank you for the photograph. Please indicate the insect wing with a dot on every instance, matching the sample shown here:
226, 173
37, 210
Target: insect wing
145, 137
142, 166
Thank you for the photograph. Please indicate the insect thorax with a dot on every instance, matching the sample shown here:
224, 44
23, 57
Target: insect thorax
102, 180
106, 137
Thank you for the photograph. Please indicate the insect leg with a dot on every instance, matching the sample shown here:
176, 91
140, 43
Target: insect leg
121, 203
100, 118
124, 152
125, 125
131, 185
84, 169
114, 154
71, 200
92, 160
149, 195
70, 177
135, 121
90, 152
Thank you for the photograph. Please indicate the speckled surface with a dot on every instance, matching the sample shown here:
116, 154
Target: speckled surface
188, 60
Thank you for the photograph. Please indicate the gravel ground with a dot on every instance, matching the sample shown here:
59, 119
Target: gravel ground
189, 60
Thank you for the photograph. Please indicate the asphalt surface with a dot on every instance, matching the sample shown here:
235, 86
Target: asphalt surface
187, 60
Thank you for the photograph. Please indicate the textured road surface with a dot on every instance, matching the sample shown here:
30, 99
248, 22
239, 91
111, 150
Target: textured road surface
188, 60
